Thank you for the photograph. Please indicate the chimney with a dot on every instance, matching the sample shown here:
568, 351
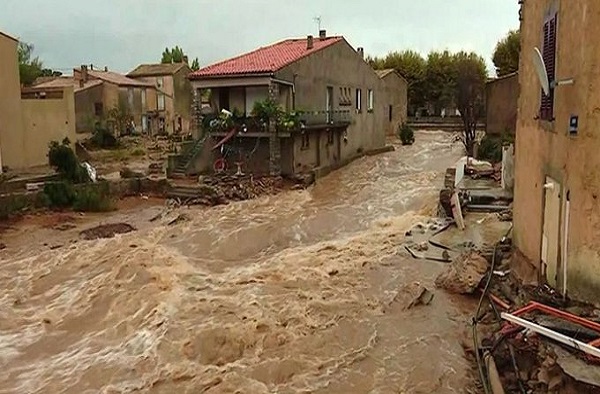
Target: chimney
185, 59
322, 34
361, 52
92, 67
310, 44
84, 73
105, 68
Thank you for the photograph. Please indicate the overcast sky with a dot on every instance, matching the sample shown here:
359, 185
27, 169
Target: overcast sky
123, 33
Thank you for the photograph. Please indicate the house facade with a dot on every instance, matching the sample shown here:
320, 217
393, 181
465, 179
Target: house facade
336, 100
174, 96
99, 92
396, 91
501, 104
557, 173
30, 120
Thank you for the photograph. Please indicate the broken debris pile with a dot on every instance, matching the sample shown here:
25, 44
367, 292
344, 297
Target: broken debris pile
464, 275
107, 231
218, 190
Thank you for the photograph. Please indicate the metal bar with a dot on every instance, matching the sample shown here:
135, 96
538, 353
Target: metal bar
528, 308
568, 316
595, 343
584, 347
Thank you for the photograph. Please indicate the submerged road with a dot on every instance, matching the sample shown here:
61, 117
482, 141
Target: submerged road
300, 292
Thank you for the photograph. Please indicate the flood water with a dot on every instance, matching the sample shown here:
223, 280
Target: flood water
304, 292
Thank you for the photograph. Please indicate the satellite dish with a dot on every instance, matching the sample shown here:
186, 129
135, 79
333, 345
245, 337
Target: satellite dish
540, 69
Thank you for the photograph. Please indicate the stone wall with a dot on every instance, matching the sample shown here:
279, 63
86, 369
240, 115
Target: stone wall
502, 96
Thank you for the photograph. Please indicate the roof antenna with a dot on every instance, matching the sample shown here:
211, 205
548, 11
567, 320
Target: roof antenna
317, 20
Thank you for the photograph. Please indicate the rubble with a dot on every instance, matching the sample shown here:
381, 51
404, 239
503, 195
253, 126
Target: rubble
464, 274
106, 231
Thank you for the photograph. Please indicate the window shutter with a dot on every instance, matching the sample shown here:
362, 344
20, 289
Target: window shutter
549, 55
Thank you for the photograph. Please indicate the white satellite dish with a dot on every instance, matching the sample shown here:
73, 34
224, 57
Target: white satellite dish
540, 69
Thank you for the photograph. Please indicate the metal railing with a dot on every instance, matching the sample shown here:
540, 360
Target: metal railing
318, 118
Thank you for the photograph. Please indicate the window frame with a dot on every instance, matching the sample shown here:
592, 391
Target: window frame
370, 100
358, 98
549, 54
305, 145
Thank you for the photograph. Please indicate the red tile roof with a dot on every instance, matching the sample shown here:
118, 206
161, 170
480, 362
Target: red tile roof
265, 60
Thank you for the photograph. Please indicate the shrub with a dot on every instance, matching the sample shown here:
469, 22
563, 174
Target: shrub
406, 134
12, 205
104, 139
63, 159
490, 148
92, 199
60, 194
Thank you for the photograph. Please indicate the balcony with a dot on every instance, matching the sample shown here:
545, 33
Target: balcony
319, 119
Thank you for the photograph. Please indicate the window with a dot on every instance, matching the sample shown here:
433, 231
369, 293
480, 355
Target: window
370, 99
161, 101
305, 141
330, 137
358, 100
390, 112
143, 99
98, 109
160, 82
549, 54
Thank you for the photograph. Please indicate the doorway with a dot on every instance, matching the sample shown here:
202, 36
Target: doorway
551, 230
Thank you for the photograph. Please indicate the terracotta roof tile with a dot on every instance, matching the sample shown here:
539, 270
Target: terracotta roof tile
116, 78
265, 60
63, 82
146, 70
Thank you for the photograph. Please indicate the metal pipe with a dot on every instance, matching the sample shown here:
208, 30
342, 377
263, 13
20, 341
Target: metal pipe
565, 246
574, 343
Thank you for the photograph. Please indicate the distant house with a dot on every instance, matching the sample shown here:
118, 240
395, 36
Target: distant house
30, 120
98, 92
339, 100
396, 91
502, 96
174, 97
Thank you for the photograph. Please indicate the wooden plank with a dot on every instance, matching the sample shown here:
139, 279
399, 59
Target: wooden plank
457, 212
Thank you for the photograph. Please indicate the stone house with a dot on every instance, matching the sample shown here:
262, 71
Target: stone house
98, 92
557, 178
30, 120
174, 96
396, 90
501, 103
339, 100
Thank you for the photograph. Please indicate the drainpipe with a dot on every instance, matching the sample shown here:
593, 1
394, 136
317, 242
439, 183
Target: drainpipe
565, 243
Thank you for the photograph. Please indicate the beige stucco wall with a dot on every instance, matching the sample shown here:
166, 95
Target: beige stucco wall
546, 149
396, 91
11, 137
340, 66
85, 110
501, 102
46, 120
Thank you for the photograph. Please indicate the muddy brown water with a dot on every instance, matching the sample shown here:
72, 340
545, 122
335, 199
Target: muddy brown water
303, 292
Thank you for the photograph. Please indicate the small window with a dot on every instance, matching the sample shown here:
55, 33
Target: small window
98, 109
390, 113
549, 55
358, 100
143, 99
370, 100
161, 101
330, 138
305, 141
160, 82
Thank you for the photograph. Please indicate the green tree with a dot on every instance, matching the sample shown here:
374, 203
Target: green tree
411, 66
471, 75
439, 80
175, 55
507, 52
30, 67
195, 65
120, 116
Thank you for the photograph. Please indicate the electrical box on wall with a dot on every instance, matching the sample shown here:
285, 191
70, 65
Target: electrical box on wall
573, 124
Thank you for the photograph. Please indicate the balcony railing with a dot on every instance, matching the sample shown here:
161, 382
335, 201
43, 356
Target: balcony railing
321, 118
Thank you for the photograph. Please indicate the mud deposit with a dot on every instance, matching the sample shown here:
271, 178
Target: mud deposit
300, 292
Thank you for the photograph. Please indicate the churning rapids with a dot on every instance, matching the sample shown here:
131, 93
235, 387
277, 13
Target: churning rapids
299, 292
